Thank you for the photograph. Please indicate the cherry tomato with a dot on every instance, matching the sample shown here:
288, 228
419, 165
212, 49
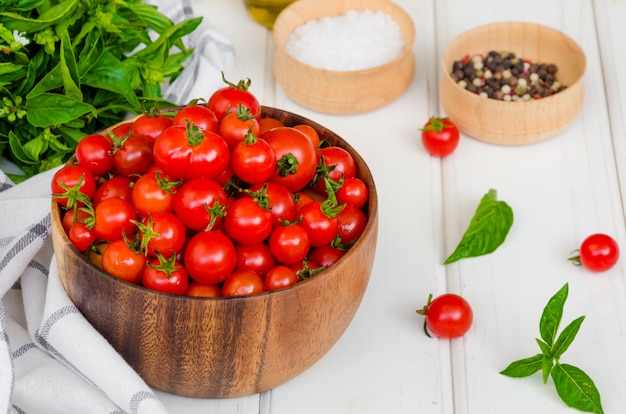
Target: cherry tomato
448, 316
200, 203
188, 153
440, 136
325, 255
598, 253
150, 126
280, 277
198, 115
335, 163
302, 198
73, 184
162, 232
95, 152
134, 156
321, 228
351, 222
255, 257
310, 132
72, 216
353, 191
209, 257
167, 276
114, 219
268, 123
253, 160
81, 236
121, 261
296, 158
153, 193
289, 243
280, 201
237, 124
203, 291
242, 283
226, 99
246, 222
120, 186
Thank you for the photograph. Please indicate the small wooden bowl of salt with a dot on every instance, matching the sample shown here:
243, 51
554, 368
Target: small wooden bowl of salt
344, 57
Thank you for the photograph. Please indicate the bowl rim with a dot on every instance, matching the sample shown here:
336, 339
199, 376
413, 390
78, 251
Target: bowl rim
372, 211
407, 48
567, 91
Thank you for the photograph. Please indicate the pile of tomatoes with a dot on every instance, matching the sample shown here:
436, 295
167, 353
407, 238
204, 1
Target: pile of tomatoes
211, 199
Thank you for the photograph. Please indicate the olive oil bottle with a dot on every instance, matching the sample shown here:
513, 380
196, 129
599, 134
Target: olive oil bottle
265, 11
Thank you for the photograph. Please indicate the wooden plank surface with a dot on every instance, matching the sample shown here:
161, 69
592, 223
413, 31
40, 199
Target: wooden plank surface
560, 190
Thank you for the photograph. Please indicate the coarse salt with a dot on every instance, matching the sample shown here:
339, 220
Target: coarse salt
355, 40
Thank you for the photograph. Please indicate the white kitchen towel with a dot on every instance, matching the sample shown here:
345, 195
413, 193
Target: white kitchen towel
51, 359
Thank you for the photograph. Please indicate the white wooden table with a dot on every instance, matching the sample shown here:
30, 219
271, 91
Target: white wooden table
560, 190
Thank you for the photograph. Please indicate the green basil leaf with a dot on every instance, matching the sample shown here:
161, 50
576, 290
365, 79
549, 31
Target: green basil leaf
552, 314
18, 151
90, 54
69, 69
52, 80
523, 367
54, 109
487, 230
148, 14
547, 363
566, 337
576, 389
109, 73
47, 18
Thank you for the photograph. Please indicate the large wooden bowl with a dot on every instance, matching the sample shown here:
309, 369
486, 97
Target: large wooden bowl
339, 92
224, 347
515, 123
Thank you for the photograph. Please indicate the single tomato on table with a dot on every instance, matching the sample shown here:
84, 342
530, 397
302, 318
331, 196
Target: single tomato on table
448, 316
598, 253
440, 136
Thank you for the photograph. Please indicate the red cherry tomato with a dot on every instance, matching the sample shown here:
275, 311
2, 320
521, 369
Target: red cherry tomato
325, 255
321, 228
255, 257
114, 219
188, 153
253, 160
153, 193
226, 99
237, 124
280, 201
351, 222
204, 291
598, 253
246, 222
81, 236
280, 277
121, 261
353, 191
120, 186
209, 257
162, 232
242, 283
440, 136
310, 132
95, 152
198, 115
289, 243
268, 123
448, 316
73, 184
165, 276
335, 163
296, 158
134, 156
150, 126
200, 203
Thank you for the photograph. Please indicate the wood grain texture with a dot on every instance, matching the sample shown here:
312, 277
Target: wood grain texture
337, 92
515, 123
224, 347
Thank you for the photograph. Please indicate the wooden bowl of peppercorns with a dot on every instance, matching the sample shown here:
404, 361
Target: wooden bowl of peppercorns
512, 83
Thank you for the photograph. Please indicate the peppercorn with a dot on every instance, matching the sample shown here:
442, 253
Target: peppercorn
505, 76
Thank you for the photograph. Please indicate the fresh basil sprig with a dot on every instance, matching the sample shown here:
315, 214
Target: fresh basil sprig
573, 385
487, 230
71, 67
